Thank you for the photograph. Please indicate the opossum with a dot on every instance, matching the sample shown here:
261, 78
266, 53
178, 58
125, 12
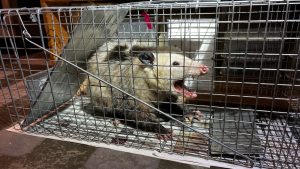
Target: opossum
153, 74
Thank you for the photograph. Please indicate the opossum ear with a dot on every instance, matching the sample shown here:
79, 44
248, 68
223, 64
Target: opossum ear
147, 58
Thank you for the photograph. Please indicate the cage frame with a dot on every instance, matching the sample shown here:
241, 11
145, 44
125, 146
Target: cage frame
153, 5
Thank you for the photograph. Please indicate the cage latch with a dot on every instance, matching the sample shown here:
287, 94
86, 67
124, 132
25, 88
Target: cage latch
25, 31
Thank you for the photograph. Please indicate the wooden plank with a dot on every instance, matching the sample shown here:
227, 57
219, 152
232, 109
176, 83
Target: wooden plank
58, 34
232, 97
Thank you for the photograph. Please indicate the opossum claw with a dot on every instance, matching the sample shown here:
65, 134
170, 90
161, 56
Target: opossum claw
168, 136
164, 137
196, 114
115, 122
83, 88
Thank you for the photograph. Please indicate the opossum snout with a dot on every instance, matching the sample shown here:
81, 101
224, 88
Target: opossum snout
203, 69
196, 70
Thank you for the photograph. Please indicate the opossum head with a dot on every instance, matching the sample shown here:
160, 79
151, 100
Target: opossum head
167, 71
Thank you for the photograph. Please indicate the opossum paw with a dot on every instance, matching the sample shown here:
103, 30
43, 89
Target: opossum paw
78, 93
115, 122
83, 88
81, 91
198, 115
167, 136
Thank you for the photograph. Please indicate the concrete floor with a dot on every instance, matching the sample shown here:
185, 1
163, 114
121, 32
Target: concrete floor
22, 151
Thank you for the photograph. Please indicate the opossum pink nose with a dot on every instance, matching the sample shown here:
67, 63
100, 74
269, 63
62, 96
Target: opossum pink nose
203, 69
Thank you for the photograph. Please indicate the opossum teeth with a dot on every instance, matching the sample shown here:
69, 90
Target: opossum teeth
181, 88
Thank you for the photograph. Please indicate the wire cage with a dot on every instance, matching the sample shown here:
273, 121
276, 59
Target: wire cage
248, 98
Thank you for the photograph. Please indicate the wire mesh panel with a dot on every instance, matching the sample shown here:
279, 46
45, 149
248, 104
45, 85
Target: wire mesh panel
215, 80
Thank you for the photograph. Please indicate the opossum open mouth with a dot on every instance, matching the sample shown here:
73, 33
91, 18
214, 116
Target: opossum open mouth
183, 89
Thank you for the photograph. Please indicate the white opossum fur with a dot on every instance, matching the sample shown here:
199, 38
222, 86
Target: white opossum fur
150, 73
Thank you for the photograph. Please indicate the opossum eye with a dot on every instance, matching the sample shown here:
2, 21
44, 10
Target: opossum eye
147, 58
175, 63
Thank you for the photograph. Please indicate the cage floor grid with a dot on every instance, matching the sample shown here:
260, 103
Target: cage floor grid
281, 147
73, 122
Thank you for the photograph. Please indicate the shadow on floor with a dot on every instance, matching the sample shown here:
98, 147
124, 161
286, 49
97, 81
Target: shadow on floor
22, 151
